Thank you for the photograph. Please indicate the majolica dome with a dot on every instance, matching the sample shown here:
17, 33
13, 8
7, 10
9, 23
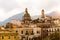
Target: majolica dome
26, 13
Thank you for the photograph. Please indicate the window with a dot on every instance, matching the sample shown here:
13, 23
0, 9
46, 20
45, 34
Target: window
21, 32
26, 33
37, 31
14, 37
47, 30
8, 37
2, 37
32, 33
55, 29
16, 31
58, 29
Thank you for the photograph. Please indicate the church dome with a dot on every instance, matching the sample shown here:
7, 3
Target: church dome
26, 13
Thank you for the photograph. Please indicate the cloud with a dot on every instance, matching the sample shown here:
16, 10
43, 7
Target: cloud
8, 5
9, 8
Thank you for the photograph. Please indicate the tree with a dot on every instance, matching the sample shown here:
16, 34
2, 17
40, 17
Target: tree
47, 38
53, 36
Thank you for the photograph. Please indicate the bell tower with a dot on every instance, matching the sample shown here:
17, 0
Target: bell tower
42, 16
26, 10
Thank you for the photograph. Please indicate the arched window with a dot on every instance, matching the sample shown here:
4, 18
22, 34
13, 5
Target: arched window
26, 33
32, 33
14, 37
55, 29
21, 32
47, 30
38, 32
58, 29
2, 37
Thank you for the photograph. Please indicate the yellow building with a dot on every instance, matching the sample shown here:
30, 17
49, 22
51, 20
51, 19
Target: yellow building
8, 35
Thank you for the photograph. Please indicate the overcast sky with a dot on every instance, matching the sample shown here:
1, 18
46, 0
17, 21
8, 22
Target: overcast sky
9, 8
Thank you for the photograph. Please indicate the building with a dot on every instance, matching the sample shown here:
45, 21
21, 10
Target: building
6, 34
15, 22
36, 29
